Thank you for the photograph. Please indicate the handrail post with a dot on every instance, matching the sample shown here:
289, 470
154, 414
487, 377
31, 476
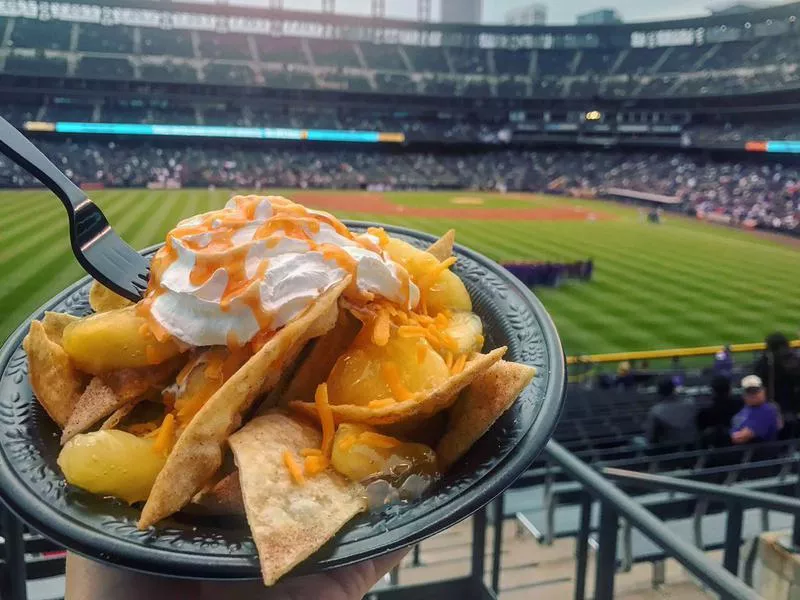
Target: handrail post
582, 547
606, 567
733, 538
497, 542
13, 586
478, 544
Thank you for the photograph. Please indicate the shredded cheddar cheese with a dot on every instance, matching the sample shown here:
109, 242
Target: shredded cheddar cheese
294, 469
314, 465
325, 418
422, 351
166, 433
383, 402
458, 364
448, 360
310, 452
391, 375
382, 329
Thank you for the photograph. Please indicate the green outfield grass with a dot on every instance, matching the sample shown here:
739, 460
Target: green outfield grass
679, 284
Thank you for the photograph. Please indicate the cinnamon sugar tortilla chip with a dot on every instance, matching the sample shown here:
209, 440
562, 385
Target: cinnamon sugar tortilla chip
424, 405
137, 383
197, 454
118, 415
56, 383
97, 402
479, 406
110, 391
442, 248
224, 497
102, 299
318, 363
54, 324
288, 521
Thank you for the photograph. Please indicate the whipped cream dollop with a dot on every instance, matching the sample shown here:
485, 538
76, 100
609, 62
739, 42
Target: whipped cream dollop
225, 276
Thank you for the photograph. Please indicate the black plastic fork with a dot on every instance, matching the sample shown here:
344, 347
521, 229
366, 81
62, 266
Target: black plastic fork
98, 248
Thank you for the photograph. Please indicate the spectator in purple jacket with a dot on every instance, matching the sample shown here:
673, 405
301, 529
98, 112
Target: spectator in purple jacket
723, 362
759, 420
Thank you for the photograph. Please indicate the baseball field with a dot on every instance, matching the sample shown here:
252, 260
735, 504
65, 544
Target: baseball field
678, 284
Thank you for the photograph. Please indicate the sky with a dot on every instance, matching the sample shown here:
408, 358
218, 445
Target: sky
559, 12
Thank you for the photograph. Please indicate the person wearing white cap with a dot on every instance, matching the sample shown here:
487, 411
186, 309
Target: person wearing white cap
759, 420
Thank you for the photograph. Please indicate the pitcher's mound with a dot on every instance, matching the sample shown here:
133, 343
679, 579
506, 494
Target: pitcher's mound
467, 200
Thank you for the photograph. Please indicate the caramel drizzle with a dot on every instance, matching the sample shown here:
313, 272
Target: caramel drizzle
289, 220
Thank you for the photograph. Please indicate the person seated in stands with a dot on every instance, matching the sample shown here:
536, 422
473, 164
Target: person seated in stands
723, 362
671, 419
759, 420
678, 374
779, 369
625, 378
714, 420
643, 374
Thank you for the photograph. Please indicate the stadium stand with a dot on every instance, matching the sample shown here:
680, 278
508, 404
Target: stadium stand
171, 42
766, 194
48, 35
116, 39
385, 57
42, 65
468, 60
430, 59
105, 68
514, 62
168, 71
290, 79
395, 83
231, 46
287, 51
333, 53
227, 74
596, 62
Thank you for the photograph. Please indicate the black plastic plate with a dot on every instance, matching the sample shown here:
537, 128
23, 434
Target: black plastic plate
210, 548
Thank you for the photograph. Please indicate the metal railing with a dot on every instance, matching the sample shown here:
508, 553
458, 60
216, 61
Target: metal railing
614, 357
614, 503
736, 499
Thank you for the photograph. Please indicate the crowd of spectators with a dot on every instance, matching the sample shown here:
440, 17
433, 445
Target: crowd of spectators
766, 407
765, 194
551, 274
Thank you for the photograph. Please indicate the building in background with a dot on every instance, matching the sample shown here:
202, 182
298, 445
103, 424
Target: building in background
532, 14
604, 16
462, 11
735, 8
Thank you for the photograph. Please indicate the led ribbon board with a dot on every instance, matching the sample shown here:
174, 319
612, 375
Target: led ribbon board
257, 133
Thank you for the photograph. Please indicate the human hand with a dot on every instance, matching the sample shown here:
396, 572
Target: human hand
89, 580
